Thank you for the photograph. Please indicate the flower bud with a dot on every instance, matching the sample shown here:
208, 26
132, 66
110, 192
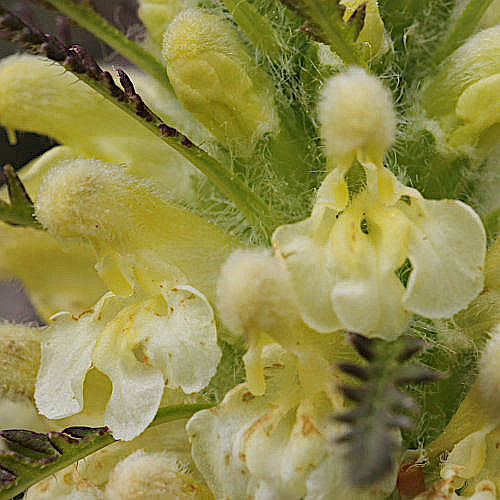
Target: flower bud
357, 120
216, 80
254, 299
154, 476
252, 293
460, 102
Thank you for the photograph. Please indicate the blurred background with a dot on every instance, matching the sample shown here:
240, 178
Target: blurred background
19, 149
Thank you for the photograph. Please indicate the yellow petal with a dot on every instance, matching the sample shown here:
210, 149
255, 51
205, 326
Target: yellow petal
447, 249
57, 277
219, 436
267, 446
67, 356
311, 268
183, 342
168, 340
137, 387
366, 294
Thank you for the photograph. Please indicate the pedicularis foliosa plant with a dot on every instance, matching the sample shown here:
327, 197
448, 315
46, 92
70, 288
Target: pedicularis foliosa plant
264, 249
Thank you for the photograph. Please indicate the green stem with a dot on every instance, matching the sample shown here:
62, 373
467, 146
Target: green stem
251, 206
464, 27
90, 20
164, 415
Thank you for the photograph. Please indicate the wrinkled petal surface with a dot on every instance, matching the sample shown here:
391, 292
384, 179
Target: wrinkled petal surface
167, 340
263, 447
447, 249
67, 356
182, 343
137, 387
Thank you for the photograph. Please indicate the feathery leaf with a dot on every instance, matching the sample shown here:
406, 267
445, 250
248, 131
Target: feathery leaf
375, 420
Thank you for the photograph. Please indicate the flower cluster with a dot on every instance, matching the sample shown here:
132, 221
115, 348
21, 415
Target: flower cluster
208, 240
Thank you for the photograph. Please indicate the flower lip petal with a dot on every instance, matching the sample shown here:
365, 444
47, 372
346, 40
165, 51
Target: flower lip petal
447, 249
310, 271
137, 388
183, 343
136, 397
66, 358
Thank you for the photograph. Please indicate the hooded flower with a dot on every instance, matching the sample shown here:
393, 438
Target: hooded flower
344, 265
142, 340
143, 346
275, 446
367, 263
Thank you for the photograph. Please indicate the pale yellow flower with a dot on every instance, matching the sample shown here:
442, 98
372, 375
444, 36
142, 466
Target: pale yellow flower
275, 446
343, 265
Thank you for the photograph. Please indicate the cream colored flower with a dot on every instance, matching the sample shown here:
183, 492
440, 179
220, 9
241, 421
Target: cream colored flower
153, 476
142, 345
275, 446
344, 265
160, 331
256, 300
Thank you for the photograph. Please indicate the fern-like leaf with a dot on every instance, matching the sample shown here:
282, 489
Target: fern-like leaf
31, 456
20, 211
381, 407
325, 23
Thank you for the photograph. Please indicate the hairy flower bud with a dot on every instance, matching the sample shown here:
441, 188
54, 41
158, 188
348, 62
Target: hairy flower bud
357, 121
252, 293
216, 80
154, 476
254, 298
137, 233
